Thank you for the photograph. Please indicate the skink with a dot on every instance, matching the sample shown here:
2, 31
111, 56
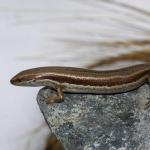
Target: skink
78, 80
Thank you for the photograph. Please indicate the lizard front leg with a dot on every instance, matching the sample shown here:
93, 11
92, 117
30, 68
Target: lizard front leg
56, 99
147, 105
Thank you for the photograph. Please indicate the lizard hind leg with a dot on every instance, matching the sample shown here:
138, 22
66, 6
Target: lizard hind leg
56, 99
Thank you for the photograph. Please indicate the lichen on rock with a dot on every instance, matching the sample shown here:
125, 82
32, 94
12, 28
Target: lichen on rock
99, 122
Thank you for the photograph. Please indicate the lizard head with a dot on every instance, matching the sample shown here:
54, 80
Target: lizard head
26, 78
42, 76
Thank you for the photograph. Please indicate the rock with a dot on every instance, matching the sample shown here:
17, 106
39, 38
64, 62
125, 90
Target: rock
99, 122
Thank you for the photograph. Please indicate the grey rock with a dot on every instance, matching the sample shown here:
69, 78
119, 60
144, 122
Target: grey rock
99, 122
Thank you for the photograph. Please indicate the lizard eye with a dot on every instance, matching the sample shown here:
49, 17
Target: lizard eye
34, 80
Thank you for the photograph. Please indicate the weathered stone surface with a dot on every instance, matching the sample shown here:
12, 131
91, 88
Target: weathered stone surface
100, 122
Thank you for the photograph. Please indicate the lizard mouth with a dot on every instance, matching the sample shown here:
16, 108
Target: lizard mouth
15, 80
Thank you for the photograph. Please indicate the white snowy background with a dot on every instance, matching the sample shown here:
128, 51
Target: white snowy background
56, 32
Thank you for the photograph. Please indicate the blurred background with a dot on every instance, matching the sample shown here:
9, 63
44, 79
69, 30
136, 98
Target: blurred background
95, 34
